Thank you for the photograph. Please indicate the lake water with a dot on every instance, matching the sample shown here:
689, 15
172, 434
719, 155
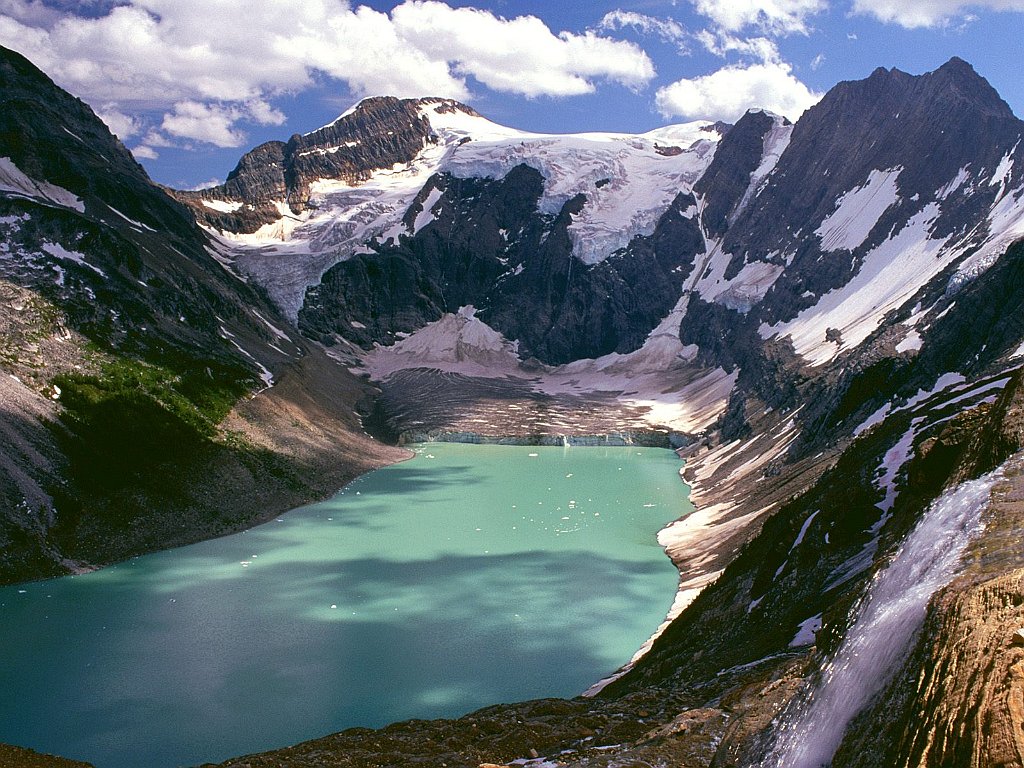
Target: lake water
468, 576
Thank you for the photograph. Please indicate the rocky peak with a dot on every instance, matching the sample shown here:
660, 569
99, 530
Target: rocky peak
376, 133
922, 129
958, 80
54, 137
729, 175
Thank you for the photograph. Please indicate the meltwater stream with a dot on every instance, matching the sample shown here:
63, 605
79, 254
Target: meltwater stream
468, 576
890, 615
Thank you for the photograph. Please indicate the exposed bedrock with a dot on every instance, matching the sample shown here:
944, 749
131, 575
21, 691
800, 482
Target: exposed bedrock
379, 133
488, 245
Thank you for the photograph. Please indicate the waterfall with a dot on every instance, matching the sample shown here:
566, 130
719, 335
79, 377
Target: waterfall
892, 611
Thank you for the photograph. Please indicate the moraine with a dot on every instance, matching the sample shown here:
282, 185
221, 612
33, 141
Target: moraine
467, 576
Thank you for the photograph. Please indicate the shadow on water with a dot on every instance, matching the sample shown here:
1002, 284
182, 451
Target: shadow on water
261, 668
340, 614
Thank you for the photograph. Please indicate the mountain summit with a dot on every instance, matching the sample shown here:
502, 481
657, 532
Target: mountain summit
376, 134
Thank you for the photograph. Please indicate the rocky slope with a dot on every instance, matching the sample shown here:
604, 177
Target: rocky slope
860, 297
126, 344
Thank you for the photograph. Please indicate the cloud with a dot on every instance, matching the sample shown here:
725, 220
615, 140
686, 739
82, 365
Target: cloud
721, 44
775, 16
142, 152
929, 13
668, 30
121, 125
205, 185
171, 64
518, 55
203, 122
732, 90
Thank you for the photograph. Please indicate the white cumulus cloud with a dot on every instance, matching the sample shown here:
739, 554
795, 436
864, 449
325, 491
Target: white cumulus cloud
669, 30
142, 152
519, 55
182, 63
732, 90
204, 122
929, 13
778, 16
121, 125
722, 44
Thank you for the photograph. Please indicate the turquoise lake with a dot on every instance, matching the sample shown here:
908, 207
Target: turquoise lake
467, 576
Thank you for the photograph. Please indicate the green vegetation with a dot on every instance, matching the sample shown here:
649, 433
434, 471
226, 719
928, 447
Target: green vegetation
119, 426
199, 395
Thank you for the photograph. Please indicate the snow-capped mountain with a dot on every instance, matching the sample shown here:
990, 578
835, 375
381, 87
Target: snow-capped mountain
825, 317
363, 182
769, 245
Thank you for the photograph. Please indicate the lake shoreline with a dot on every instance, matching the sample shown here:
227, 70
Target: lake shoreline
321, 565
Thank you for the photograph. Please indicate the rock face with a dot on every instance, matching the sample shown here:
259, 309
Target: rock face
862, 131
727, 180
489, 246
957, 701
382, 132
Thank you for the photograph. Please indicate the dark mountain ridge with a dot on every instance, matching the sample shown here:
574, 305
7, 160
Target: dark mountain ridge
127, 345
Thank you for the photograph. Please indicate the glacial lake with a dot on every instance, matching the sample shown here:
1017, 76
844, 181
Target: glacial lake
467, 576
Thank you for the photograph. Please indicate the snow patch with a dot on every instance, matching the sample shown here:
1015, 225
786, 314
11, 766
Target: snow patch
912, 341
745, 290
858, 210
273, 328
223, 206
426, 214
457, 343
890, 274
890, 467
59, 251
803, 530
805, 635
1006, 225
875, 418
265, 375
13, 180
953, 184
1003, 170
133, 222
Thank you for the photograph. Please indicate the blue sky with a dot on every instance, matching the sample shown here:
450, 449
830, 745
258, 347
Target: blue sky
189, 85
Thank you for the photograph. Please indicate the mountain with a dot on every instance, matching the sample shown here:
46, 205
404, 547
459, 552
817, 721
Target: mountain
127, 343
822, 316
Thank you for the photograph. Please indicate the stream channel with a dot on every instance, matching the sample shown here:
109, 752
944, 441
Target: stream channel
468, 576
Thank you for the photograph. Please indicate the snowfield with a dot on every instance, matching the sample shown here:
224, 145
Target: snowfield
640, 176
